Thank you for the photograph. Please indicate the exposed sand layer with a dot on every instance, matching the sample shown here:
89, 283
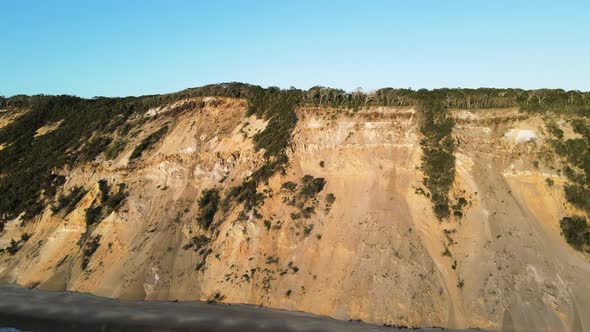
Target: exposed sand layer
47, 129
375, 253
7, 116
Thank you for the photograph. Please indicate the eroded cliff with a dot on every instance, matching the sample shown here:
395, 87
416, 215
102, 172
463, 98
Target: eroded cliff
346, 228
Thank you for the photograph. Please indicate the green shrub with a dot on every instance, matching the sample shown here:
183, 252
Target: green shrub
94, 147
575, 231
208, 206
113, 150
578, 196
114, 201
272, 260
330, 198
308, 211
307, 179
447, 252
554, 130
311, 186
582, 127
89, 250
458, 207
68, 202
460, 283
246, 193
13, 248
574, 176
103, 186
148, 142
93, 214
197, 242
308, 229
291, 186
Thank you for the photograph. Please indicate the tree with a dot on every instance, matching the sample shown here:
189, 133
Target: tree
574, 230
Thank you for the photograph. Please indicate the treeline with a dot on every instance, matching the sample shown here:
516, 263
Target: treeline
530, 100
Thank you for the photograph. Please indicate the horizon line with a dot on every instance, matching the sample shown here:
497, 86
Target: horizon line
359, 89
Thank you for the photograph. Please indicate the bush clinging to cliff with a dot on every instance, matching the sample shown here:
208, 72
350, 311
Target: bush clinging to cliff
208, 205
438, 159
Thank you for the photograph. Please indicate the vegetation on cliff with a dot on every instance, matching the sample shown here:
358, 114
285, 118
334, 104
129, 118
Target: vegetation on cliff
208, 205
68, 202
90, 248
148, 142
438, 160
575, 154
575, 230
29, 163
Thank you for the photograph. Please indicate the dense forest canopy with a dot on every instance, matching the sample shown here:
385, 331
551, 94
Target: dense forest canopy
29, 165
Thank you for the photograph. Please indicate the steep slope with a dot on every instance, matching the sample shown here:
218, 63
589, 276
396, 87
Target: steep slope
346, 229
517, 267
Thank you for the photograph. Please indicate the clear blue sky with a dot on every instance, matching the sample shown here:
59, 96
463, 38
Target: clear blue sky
133, 47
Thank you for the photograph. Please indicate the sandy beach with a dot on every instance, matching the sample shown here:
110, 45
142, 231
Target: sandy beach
38, 310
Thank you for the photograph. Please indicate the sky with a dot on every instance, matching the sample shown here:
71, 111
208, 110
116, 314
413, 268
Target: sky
131, 47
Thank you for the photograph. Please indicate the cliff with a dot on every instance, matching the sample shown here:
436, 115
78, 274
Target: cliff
345, 228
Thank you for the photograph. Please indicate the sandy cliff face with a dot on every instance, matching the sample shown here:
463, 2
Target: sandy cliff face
375, 253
